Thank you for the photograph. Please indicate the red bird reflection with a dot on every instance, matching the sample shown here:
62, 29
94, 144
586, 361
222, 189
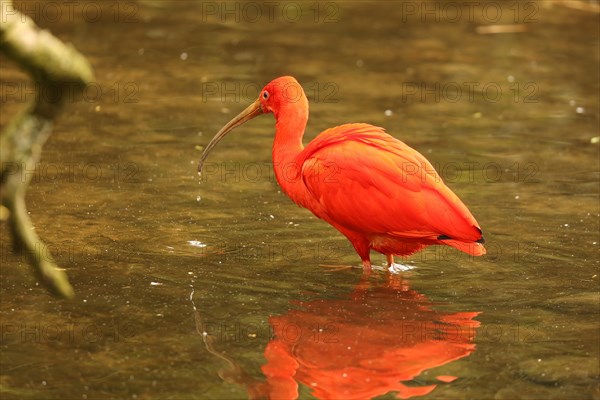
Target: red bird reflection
374, 341
373, 188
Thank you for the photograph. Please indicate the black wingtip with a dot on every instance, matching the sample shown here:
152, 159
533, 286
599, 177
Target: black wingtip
482, 240
445, 237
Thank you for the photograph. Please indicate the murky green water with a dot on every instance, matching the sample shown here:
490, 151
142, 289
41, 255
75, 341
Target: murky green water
506, 118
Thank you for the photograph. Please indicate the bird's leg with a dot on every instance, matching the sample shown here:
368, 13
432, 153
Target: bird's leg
393, 267
366, 264
396, 268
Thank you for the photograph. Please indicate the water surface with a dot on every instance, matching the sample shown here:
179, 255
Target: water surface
508, 120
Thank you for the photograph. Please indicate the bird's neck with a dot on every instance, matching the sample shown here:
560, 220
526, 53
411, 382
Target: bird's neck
289, 129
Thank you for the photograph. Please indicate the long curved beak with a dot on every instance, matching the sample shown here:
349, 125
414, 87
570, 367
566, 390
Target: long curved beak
250, 112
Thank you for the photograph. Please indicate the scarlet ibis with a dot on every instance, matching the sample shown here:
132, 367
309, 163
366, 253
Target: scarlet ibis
376, 190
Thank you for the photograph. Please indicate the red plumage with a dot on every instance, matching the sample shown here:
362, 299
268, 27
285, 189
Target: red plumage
381, 193
376, 190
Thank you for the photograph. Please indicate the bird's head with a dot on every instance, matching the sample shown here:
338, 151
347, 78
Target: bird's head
281, 93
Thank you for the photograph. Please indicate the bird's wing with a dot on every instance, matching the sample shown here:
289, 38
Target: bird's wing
363, 179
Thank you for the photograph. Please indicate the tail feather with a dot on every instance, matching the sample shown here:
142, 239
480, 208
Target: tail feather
472, 248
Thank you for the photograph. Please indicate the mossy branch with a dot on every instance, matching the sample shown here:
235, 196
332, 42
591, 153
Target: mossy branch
52, 66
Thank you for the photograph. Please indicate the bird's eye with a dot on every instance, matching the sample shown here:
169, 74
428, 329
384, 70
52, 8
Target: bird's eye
265, 95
